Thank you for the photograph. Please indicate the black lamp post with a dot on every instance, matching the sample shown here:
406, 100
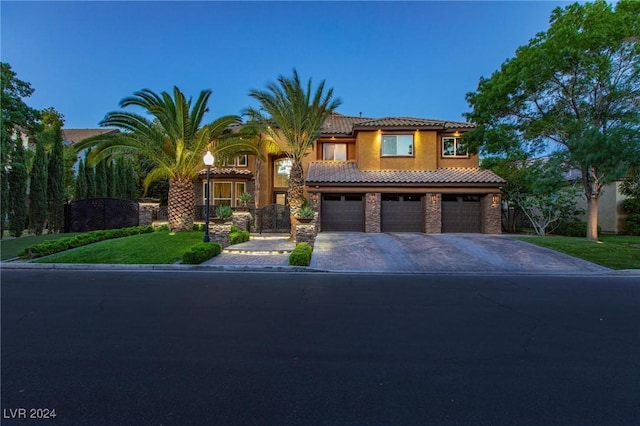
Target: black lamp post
208, 161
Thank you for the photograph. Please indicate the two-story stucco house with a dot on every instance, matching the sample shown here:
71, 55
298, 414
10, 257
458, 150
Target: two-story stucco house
393, 174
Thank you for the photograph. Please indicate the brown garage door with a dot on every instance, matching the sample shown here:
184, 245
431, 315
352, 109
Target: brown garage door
461, 213
401, 213
342, 212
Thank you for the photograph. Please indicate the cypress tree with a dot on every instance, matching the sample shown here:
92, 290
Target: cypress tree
81, 182
111, 179
132, 182
5, 144
38, 188
121, 179
17, 178
56, 182
101, 179
90, 173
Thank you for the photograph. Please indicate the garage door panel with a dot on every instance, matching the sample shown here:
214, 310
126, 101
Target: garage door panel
342, 213
461, 214
401, 214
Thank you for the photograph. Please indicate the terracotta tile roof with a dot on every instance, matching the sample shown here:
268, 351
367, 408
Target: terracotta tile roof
226, 171
348, 172
412, 122
72, 136
338, 124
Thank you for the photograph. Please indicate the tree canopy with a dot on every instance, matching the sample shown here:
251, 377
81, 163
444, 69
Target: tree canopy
574, 88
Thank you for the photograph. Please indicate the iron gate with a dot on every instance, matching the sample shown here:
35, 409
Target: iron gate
100, 213
272, 218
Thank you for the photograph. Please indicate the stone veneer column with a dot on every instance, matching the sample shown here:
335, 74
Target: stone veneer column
316, 199
433, 213
306, 233
492, 214
146, 209
372, 212
241, 220
220, 233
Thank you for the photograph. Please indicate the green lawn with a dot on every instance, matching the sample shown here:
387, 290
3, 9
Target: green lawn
160, 247
10, 248
612, 251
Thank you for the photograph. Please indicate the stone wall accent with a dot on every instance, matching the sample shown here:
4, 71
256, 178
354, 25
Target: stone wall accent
306, 233
433, 213
316, 199
372, 212
492, 214
147, 210
220, 233
242, 220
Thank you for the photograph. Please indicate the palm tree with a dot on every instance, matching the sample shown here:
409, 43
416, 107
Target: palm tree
297, 117
174, 141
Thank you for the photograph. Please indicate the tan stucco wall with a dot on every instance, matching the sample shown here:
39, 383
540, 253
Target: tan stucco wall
369, 152
611, 216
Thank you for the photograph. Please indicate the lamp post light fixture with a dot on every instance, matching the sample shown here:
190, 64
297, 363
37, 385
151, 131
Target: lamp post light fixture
208, 161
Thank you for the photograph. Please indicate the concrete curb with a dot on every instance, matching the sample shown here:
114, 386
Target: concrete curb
277, 268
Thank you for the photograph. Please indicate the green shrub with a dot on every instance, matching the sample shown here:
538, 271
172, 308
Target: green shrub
163, 227
198, 227
301, 255
224, 211
631, 205
573, 228
633, 224
201, 252
46, 248
238, 236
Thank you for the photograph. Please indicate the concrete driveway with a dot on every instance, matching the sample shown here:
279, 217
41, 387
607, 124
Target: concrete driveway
416, 252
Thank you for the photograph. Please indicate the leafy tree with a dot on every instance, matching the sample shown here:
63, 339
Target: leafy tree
15, 116
175, 141
17, 177
294, 115
573, 88
38, 190
81, 182
52, 133
631, 184
70, 158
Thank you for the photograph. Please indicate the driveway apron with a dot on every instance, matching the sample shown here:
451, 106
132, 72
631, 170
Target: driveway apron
459, 253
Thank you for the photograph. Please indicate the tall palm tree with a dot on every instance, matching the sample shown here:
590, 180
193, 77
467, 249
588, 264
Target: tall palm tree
174, 140
296, 115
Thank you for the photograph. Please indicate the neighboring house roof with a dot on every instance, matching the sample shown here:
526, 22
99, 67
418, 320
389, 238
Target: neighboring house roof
338, 124
71, 136
340, 172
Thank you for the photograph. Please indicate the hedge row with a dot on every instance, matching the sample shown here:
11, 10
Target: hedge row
201, 252
46, 248
301, 255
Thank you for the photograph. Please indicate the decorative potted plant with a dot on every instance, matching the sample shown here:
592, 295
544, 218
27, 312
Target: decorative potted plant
223, 213
245, 197
305, 214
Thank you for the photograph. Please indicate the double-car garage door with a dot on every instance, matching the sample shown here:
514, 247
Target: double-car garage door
400, 213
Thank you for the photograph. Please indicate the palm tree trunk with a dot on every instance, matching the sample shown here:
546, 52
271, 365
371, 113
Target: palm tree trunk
296, 193
181, 204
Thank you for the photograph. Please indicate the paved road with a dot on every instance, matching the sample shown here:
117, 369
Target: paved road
231, 348
448, 253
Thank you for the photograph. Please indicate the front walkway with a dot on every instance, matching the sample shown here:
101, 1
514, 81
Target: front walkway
260, 250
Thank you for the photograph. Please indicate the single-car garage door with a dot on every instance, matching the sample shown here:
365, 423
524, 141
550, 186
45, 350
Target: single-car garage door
401, 213
342, 212
461, 213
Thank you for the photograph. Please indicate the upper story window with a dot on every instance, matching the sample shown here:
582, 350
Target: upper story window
240, 161
334, 151
453, 147
397, 145
281, 170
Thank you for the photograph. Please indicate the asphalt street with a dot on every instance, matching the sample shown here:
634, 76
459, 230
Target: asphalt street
202, 347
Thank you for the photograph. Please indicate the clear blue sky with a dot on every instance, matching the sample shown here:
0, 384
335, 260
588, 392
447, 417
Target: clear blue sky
381, 58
